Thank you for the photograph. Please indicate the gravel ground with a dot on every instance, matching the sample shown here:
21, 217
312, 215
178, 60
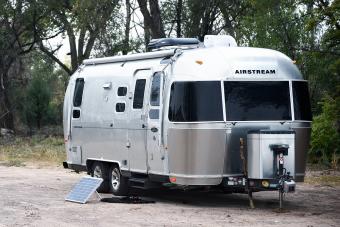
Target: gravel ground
30, 196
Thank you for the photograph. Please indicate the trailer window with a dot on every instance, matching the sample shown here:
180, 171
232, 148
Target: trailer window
155, 90
302, 108
120, 107
196, 101
138, 97
122, 91
257, 101
78, 92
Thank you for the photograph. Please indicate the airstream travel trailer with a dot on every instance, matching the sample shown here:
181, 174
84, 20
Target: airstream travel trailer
189, 114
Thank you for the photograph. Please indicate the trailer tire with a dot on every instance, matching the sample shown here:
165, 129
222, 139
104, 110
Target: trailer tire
101, 170
119, 184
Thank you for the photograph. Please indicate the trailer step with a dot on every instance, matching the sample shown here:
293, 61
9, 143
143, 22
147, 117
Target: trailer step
142, 183
138, 180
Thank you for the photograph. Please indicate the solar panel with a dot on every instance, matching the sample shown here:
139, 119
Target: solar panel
82, 191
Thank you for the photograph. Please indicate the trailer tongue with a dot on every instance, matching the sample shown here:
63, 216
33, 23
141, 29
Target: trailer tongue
270, 162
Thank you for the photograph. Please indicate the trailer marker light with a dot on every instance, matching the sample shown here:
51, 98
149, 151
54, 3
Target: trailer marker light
172, 179
265, 183
199, 62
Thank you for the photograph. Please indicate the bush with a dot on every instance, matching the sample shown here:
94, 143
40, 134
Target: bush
40, 102
37, 103
325, 143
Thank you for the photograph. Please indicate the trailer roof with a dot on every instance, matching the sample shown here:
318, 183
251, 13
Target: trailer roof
234, 63
214, 63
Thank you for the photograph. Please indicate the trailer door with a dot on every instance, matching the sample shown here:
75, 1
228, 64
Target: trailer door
155, 155
138, 123
76, 123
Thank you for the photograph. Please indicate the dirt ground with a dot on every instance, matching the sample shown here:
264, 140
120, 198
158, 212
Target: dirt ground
30, 196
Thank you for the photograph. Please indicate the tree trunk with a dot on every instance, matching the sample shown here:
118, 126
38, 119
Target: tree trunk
179, 9
127, 28
7, 117
152, 18
38, 120
146, 37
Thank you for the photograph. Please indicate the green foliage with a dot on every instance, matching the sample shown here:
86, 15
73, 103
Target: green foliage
37, 102
41, 101
273, 24
325, 144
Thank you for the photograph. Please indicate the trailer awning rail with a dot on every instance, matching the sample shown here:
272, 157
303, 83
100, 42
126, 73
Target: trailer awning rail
131, 57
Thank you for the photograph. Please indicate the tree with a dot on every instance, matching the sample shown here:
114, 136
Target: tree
152, 18
39, 101
233, 12
116, 39
82, 21
18, 36
325, 144
36, 105
201, 18
127, 27
174, 16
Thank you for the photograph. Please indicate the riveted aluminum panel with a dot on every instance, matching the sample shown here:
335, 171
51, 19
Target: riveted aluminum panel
196, 156
262, 160
302, 139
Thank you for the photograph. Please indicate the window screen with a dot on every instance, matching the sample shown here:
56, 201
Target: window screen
155, 90
120, 107
122, 91
257, 101
196, 101
302, 108
138, 96
78, 92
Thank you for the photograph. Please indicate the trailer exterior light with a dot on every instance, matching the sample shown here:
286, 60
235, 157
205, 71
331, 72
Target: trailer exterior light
199, 62
265, 183
172, 179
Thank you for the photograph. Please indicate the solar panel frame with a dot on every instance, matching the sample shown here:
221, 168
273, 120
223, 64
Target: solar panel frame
83, 190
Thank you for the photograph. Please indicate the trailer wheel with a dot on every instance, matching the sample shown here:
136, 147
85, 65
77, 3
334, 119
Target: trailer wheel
101, 170
118, 183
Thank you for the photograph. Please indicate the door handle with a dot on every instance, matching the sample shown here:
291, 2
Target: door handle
154, 129
143, 126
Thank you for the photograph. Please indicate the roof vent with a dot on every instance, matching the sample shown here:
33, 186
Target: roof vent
219, 40
166, 43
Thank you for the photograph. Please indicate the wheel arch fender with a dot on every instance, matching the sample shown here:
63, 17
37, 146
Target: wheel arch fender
89, 163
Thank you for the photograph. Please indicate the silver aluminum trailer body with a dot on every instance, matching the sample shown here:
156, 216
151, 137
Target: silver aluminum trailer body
144, 113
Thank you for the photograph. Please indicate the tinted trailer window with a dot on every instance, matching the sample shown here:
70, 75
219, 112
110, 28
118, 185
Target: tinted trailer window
78, 92
196, 101
257, 101
302, 108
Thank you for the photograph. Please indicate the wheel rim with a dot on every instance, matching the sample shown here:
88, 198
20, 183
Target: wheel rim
97, 172
115, 181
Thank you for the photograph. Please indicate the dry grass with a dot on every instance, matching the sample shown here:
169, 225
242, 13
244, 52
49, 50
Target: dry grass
325, 177
36, 150
45, 151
